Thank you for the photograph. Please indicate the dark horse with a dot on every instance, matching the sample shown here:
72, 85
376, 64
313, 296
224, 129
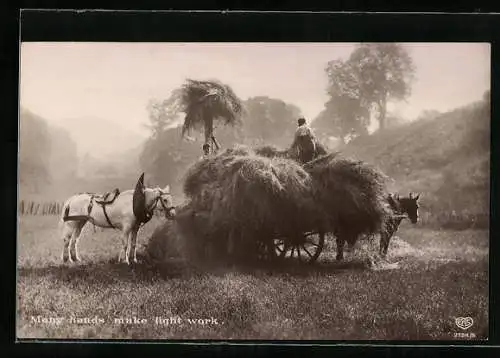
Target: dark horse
400, 208
405, 207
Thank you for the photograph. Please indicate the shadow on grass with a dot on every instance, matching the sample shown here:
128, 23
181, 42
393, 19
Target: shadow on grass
110, 271
292, 268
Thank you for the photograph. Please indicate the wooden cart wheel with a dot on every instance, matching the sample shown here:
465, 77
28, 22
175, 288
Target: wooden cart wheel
305, 247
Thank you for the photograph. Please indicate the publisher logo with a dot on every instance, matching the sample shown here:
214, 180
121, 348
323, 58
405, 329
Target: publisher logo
464, 322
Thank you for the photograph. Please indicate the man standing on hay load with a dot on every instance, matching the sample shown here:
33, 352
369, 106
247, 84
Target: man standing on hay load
304, 142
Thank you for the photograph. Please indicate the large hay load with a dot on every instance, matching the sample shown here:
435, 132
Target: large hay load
239, 200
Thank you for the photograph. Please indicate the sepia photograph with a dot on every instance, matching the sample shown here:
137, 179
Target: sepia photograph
327, 191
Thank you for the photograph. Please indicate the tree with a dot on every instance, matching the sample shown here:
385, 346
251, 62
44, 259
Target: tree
373, 75
385, 72
347, 112
163, 114
205, 102
270, 120
162, 156
337, 121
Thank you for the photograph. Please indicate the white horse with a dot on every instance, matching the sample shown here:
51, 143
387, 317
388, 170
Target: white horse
119, 213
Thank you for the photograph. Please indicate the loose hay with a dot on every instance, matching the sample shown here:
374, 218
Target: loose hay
164, 243
270, 151
190, 232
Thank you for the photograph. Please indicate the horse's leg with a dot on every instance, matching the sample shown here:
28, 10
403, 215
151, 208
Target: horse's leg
133, 241
67, 234
385, 237
381, 244
123, 250
74, 244
127, 238
340, 249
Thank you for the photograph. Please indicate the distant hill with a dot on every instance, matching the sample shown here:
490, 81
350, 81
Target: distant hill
446, 158
100, 137
56, 161
47, 154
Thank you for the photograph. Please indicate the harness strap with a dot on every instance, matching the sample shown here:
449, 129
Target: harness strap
107, 217
88, 217
91, 203
76, 218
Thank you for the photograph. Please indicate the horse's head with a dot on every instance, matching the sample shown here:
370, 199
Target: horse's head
161, 199
409, 205
166, 202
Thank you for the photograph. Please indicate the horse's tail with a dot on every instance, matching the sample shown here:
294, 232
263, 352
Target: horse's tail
65, 211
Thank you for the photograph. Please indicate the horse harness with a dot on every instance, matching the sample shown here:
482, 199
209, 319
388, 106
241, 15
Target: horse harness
165, 208
103, 203
97, 198
149, 215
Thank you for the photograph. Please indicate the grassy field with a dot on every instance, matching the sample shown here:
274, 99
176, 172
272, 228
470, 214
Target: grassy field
435, 277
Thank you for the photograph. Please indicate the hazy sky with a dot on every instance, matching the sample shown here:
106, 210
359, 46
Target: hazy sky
115, 80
